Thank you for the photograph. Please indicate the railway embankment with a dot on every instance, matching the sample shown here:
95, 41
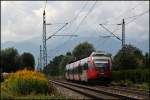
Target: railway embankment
80, 91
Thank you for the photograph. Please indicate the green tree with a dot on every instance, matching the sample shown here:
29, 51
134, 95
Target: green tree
10, 60
27, 61
66, 60
68, 54
53, 67
82, 50
128, 57
146, 60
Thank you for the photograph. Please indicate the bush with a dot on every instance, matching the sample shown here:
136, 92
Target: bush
136, 76
26, 82
144, 86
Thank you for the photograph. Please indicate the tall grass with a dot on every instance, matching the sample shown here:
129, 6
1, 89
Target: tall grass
26, 82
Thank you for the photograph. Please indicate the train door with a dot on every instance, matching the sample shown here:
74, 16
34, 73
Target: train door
84, 67
91, 72
79, 70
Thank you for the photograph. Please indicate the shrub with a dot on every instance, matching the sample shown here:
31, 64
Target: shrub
25, 82
144, 86
136, 76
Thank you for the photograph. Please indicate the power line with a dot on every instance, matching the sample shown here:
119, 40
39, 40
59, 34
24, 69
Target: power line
60, 45
106, 36
134, 18
127, 11
78, 13
82, 19
45, 5
66, 35
57, 31
69, 21
110, 32
138, 15
64, 25
85, 16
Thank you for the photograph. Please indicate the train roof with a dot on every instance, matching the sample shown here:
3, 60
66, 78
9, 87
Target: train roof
98, 53
93, 54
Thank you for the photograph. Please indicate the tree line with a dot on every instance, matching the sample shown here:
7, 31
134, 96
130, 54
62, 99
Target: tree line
12, 61
128, 57
57, 65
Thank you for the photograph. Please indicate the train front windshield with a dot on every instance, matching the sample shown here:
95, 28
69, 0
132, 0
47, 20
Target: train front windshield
101, 65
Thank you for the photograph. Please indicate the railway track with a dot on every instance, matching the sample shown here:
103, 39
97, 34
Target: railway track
128, 91
101, 92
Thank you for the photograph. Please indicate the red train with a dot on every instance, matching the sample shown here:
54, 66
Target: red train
95, 67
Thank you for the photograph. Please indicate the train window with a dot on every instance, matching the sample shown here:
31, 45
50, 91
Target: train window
101, 66
75, 71
85, 66
71, 71
80, 69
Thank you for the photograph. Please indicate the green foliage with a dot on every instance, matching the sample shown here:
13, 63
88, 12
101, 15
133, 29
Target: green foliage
57, 66
83, 50
66, 59
27, 61
25, 82
136, 76
144, 86
39, 96
146, 60
128, 57
9, 60
53, 67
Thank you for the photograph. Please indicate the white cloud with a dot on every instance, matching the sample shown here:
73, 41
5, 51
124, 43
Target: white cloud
23, 19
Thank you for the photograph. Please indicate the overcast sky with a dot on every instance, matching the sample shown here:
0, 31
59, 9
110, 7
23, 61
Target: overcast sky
22, 20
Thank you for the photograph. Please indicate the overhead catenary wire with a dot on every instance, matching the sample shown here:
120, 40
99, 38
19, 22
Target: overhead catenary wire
85, 17
110, 32
69, 22
58, 47
127, 11
57, 31
72, 20
138, 15
134, 18
45, 5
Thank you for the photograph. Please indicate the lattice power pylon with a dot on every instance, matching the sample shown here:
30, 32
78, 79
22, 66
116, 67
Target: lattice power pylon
44, 58
44, 42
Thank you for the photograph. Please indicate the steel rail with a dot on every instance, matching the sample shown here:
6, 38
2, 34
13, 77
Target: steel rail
89, 91
121, 93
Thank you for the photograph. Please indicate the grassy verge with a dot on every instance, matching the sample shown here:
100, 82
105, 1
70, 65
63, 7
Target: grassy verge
40, 96
27, 84
137, 78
